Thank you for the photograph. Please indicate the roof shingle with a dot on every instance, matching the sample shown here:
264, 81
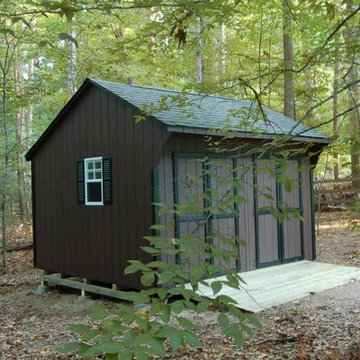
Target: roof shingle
208, 112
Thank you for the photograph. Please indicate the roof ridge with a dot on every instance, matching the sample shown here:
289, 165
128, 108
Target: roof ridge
172, 90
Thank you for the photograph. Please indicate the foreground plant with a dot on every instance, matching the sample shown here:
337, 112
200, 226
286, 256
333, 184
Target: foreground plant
128, 333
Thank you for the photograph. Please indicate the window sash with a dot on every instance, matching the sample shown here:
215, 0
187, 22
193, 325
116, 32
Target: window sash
93, 170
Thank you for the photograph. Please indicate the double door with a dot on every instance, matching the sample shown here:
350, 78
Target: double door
278, 212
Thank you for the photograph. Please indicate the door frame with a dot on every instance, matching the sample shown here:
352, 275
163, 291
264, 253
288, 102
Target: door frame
280, 225
176, 155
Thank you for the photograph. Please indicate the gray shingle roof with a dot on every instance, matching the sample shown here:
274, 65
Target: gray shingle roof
207, 112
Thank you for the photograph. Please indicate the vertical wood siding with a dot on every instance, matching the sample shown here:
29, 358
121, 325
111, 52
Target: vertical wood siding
269, 237
95, 242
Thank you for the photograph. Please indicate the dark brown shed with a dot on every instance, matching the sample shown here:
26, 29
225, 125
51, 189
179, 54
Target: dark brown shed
95, 172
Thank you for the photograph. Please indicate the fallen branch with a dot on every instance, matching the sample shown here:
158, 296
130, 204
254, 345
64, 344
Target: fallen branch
281, 340
22, 247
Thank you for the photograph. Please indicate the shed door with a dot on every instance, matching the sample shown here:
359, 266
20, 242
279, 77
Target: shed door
201, 184
191, 223
277, 242
292, 228
268, 251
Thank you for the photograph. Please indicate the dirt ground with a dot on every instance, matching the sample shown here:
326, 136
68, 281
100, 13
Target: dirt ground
325, 325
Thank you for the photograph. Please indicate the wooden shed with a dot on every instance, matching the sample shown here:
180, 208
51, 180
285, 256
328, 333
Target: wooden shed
96, 173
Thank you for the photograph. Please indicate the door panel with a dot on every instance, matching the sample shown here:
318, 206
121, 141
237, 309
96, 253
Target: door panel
277, 241
267, 230
224, 231
190, 232
292, 228
204, 185
190, 184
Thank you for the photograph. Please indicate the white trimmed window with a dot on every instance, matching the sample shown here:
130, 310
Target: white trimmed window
94, 181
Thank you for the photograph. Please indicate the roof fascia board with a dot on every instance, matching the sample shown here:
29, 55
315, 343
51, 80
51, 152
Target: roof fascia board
243, 135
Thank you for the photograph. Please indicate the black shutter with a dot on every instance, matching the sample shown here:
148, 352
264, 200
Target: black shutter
80, 182
107, 187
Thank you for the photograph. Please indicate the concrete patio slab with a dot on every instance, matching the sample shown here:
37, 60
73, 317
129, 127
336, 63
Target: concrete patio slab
277, 285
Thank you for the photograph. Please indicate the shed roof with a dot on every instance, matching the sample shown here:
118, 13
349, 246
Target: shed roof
202, 114
208, 112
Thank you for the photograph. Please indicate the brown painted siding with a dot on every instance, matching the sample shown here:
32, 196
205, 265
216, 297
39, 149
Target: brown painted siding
246, 214
95, 242
308, 226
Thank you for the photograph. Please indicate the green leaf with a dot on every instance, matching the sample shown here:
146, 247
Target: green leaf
177, 307
157, 264
247, 329
90, 334
68, 348
223, 320
135, 265
150, 250
158, 227
157, 346
140, 353
235, 333
216, 286
191, 338
165, 277
79, 328
148, 278
99, 312
125, 354
67, 37
185, 323
43, 43
254, 321
7, 31
175, 339
110, 347
83, 348
288, 185
202, 306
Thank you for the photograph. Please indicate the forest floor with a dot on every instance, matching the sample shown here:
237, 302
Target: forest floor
325, 325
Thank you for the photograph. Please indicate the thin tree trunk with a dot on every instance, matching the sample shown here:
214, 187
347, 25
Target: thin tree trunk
260, 49
336, 106
223, 50
289, 92
71, 78
353, 98
6, 171
354, 127
199, 58
269, 72
20, 123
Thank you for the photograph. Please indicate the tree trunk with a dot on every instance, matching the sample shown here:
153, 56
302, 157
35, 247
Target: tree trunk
20, 138
199, 58
223, 50
71, 78
354, 127
289, 92
353, 98
335, 107
5, 178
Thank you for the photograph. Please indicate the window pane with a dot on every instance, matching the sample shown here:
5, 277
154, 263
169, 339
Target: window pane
90, 165
98, 175
90, 175
94, 192
98, 164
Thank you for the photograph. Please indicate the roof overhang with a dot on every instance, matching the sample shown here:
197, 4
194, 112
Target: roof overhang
244, 135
